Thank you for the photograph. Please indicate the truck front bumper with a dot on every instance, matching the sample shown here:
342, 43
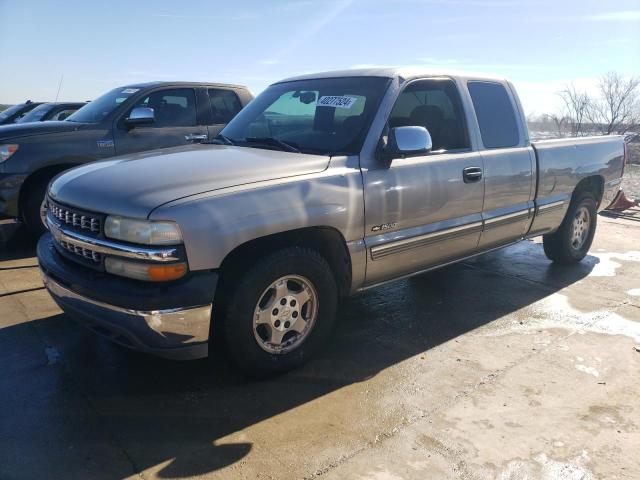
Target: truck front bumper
179, 332
10, 184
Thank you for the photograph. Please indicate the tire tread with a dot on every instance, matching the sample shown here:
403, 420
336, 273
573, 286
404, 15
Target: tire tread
556, 245
246, 353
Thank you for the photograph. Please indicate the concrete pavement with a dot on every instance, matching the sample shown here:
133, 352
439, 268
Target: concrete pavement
501, 367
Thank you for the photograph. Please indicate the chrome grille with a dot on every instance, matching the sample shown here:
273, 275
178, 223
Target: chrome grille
74, 218
83, 252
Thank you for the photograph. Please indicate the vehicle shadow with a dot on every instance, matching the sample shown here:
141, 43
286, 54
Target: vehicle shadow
15, 242
177, 414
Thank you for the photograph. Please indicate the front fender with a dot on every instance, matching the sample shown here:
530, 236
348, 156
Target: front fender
214, 224
69, 148
10, 185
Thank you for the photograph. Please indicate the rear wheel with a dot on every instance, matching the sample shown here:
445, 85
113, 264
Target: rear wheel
571, 242
280, 312
33, 207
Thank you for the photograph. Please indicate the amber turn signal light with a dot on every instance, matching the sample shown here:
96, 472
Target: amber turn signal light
145, 271
164, 273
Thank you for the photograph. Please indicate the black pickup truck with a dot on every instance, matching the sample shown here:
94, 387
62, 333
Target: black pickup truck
126, 120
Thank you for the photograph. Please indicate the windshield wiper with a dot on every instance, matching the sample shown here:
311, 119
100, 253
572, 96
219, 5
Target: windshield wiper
221, 139
287, 147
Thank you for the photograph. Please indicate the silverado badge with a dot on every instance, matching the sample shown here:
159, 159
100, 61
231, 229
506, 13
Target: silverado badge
384, 226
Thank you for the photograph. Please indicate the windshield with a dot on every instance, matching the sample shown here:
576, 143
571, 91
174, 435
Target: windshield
10, 111
327, 116
36, 114
96, 111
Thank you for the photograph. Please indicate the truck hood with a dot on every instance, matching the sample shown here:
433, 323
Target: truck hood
135, 185
16, 130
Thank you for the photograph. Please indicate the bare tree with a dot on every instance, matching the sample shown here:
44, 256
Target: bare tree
552, 122
617, 109
577, 107
560, 123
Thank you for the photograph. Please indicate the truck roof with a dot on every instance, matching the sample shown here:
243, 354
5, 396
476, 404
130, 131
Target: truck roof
404, 73
180, 83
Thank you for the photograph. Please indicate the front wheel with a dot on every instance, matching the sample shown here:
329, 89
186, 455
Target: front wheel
33, 207
280, 312
571, 242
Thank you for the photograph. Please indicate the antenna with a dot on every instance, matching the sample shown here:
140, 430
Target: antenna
59, 87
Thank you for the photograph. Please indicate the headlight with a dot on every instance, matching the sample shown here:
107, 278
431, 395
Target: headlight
145, 271
7, 150
144, 232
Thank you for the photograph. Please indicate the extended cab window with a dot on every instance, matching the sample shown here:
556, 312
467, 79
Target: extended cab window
494, 111
435, 105
172, 108
225, 104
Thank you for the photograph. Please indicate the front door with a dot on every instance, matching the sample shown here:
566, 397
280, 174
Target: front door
423, 211
175, 123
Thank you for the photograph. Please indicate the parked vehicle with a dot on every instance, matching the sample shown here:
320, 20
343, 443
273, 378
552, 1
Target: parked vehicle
125, 120
51, 111
15, 112
323, 186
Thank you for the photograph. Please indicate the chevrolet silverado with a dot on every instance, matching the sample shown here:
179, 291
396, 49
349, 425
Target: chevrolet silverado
323, 186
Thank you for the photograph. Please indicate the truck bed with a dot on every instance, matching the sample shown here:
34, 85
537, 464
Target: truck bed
563, 163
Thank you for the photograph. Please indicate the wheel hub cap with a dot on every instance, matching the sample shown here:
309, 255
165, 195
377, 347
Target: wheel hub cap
285, 314
580, 228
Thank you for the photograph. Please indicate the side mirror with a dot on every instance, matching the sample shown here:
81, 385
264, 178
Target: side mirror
407, 141
63, 116
141, 116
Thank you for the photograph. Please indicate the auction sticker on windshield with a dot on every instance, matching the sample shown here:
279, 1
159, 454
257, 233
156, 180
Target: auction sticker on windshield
336, 101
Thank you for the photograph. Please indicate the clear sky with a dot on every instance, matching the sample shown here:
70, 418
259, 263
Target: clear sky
99, 45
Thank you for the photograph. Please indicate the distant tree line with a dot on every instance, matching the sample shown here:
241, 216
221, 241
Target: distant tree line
614, 109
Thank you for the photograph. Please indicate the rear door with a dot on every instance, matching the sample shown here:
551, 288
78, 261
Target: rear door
508, 164
225, 104
424, 210
176, 122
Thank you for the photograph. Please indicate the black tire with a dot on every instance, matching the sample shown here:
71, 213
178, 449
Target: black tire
559, 245
31, 204
241, 342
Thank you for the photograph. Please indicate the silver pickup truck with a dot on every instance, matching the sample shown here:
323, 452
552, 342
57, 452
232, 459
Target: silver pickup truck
323, 186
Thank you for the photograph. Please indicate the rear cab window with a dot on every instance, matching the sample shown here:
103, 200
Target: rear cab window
225, 104
495, 113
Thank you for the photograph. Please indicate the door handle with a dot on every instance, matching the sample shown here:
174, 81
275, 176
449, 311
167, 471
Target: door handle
192, 137
471, 174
